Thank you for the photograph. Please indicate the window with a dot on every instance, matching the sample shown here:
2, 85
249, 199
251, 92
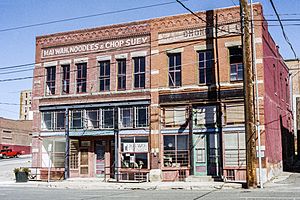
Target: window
107, 118
56, 153
74, 150
205, 66
176, 151
141, 117
287, 89
121, 74
174, 117
236, 64
81, 77
234, 113
275, 78
54, 120
50, 82
93, 119
139, 72
65, 79
104, 77
174, 69
234, 149
126, 117
205, 116
134, 152
77, 119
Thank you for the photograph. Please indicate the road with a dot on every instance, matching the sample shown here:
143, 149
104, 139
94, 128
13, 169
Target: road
19, 193
7, 166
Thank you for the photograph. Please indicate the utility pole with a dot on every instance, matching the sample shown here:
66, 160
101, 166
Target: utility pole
249, 100
67, 149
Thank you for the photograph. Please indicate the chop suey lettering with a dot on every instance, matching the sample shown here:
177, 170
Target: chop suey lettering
97, 46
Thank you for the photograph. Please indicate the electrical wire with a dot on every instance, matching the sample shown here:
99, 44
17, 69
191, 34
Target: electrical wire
87, 16
282, 29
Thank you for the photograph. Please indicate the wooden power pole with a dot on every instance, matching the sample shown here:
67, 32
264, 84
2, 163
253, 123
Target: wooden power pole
249, 97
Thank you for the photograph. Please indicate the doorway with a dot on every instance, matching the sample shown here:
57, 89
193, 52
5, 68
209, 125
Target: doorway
206, 154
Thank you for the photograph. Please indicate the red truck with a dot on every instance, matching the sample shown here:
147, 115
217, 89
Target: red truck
9, 153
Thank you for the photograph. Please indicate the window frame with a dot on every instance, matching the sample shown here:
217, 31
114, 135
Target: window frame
174, 69
105, 77
65, 78
81, 78
50, 80
139, 72
236, 61
121, 76
207, 70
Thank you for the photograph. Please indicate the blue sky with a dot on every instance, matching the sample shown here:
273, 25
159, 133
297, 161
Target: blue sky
18, 46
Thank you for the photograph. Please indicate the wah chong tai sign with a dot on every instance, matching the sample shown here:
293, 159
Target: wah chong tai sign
95, 46
135, 147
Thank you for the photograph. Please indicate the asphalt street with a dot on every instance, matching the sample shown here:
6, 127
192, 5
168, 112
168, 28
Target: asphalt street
21, 193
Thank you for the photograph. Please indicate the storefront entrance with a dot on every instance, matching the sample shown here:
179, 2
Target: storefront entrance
206, 154
104, 158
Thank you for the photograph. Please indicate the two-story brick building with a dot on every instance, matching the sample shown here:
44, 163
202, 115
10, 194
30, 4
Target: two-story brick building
162, 97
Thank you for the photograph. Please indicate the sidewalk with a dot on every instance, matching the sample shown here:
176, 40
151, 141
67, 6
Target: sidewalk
98, 184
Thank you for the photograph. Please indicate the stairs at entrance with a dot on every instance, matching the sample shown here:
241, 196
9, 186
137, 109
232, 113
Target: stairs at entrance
199, 179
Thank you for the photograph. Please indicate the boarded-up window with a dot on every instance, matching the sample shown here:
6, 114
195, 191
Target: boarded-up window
234, 113
205, 116
235, 149
173, 117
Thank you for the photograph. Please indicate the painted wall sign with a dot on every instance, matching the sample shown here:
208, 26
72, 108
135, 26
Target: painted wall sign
135, 147
95, 46
198, 33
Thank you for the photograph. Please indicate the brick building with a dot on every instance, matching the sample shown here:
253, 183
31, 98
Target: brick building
25, 105
16, 135
294, 67
161, 97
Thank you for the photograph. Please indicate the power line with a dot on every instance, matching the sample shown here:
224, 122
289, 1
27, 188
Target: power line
83, 54
87, 16
283, 31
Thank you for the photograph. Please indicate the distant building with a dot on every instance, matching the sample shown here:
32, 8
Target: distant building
16, 135
294, 69
25, 105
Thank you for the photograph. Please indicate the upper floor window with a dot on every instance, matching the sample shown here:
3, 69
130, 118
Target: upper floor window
174, 117
275, 78
81, 77
126, 117
234, 114
205, 116
54, 120
141, 116
65, 79
236, 64
50, 82
104, 77
205, 66
77, 119
121, 74
174, 69
139, 72
93, 121
107, 118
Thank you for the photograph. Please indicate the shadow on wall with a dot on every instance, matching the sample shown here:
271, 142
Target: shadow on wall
288, 148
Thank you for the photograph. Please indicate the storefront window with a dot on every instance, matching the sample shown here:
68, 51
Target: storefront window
176, 151
134, 152
53, 152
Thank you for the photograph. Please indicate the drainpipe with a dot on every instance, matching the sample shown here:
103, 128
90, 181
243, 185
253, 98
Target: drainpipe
256, 96
67, 148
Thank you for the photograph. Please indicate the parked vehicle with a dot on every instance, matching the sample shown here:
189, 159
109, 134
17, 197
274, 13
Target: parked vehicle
9, 153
